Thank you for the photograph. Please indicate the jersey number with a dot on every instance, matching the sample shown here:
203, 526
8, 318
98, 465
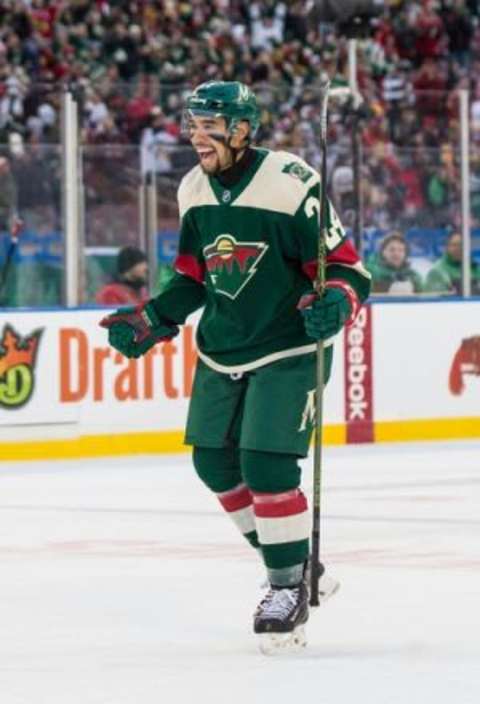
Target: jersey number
335, 232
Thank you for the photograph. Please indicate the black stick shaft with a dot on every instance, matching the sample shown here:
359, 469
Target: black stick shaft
316, 566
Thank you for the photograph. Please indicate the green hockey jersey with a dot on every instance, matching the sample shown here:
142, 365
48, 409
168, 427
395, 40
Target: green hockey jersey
247, 254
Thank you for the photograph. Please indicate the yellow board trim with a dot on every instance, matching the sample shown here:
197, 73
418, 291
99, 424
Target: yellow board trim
172, 441
113, 445
94, 446
335, 434
435, 429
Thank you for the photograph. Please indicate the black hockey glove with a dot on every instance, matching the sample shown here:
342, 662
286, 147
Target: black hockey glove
326, 315
134, 330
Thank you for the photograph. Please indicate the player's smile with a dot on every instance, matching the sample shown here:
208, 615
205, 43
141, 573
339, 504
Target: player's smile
208, 137
206, 155
212, 158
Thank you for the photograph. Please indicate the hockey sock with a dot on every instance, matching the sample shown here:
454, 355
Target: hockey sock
286, 576
219, 469
283, 530
238, 504
281, 515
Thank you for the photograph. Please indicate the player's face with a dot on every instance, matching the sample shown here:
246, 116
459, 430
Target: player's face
208, 136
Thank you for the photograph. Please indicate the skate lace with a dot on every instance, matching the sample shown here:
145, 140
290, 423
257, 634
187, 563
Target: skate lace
278, 603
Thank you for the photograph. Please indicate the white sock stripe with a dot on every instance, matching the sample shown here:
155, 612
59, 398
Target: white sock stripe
244, 519
283, 530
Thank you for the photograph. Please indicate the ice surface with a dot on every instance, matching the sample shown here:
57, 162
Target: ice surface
122, 582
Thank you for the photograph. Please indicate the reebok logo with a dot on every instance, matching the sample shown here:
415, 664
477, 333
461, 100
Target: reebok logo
357, 405
358, 378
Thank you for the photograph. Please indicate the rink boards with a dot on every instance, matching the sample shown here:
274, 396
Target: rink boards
404, 371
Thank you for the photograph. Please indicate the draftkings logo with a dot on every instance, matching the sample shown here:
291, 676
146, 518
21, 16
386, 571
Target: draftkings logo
232, 264
466, 362
17, 366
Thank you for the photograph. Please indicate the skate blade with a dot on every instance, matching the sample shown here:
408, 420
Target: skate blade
283, 643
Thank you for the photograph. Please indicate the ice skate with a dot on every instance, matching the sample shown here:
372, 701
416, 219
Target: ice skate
280, 619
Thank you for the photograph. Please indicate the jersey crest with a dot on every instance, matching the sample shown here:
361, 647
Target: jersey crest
231, 264
297, 170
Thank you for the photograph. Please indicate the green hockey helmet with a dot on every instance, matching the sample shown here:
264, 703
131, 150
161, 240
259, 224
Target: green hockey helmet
232, 100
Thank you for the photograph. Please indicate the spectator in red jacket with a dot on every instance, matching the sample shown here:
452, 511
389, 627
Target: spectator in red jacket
129, 285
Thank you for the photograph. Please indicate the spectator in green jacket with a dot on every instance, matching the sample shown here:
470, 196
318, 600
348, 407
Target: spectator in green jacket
391, 270
446, 274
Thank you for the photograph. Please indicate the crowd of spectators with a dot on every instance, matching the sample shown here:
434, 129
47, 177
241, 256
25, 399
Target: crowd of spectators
393, 272
130, 63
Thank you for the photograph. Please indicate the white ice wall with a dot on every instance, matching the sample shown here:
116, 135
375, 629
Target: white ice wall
82, 387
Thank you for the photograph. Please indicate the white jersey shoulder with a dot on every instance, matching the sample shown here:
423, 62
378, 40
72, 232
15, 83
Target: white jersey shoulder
281, 184
194, 190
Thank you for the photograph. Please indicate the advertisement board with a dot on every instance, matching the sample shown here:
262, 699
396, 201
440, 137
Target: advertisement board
57, 367
426, 359
30, 383
402, 371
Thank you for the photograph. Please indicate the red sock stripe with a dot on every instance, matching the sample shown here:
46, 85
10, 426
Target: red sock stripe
288, 503
236, 499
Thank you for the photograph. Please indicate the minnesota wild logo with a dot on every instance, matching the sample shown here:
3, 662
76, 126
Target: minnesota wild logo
232, 264
17, 364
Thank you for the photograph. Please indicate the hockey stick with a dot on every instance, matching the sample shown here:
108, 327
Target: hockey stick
317, 568
15, 229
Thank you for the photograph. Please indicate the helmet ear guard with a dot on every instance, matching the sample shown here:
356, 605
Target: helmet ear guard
233, 127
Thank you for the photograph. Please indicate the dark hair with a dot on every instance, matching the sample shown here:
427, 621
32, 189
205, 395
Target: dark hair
128, 257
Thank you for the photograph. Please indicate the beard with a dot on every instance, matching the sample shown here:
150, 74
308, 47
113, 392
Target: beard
213, 165
209, 171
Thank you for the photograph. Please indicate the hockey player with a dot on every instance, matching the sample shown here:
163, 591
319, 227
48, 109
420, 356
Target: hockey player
247, 255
